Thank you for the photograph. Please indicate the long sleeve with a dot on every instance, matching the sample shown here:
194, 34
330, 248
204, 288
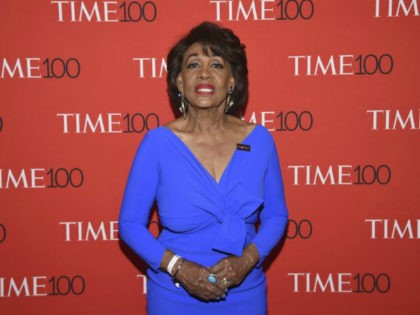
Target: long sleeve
137, 202
274, 215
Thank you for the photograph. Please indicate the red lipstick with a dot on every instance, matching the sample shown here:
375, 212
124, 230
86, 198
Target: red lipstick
204, 89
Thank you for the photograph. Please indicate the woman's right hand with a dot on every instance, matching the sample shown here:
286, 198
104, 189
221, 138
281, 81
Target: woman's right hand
193, 278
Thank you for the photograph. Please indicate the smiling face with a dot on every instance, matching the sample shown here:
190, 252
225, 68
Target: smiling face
205, 79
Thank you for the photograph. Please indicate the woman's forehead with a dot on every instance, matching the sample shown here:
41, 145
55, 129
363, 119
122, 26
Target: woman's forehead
200, 48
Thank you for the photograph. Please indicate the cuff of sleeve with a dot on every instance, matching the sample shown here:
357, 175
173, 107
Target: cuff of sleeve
261, 254
155, 265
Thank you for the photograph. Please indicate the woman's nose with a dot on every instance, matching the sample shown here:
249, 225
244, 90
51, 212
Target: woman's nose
204, 72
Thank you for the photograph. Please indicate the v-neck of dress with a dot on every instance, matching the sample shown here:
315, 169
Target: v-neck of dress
187, 148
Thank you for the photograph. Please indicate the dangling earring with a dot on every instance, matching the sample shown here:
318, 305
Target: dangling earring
229, 101
182, 108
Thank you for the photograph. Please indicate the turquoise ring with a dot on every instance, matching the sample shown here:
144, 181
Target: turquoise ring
212, 278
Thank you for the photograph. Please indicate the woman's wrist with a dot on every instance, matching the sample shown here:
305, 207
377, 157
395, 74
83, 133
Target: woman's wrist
173, 264
167, 256
251, 255
177, 269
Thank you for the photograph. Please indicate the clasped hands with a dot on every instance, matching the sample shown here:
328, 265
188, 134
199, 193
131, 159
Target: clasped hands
226, 273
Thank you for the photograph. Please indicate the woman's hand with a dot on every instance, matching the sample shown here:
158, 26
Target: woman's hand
194, 279
232, 270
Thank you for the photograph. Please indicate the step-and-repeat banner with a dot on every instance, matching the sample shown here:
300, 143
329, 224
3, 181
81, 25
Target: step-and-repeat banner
336, 83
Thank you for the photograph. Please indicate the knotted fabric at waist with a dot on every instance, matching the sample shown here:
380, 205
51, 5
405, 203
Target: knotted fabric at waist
232, 211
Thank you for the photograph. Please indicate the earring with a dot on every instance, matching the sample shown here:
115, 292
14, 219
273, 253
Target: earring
229, 101
182, 108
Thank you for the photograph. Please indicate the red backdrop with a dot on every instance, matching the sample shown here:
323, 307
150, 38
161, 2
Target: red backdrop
337, 84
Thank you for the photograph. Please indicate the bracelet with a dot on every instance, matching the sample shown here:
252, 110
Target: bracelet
172, 263
176, 271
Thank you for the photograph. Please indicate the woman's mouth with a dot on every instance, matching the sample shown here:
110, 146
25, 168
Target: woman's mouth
204, 89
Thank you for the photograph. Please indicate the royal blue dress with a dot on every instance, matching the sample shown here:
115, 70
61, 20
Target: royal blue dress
203, 220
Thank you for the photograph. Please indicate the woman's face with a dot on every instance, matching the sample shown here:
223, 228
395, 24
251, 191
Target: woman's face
205, 79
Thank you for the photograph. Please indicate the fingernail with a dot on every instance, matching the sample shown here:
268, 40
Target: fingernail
226, 290
224, 296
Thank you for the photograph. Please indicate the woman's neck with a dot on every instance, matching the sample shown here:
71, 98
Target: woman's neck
205, 120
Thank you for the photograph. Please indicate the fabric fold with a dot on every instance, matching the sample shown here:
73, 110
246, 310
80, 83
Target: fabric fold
238, 211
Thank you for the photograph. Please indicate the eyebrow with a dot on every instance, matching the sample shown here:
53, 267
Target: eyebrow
196, 55
191, 55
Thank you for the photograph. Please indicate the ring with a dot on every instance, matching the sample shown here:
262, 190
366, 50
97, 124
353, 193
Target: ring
225, 281
212, 278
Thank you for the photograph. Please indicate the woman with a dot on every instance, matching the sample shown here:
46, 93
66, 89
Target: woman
213, 176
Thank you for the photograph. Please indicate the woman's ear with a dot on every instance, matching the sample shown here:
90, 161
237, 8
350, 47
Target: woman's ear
180, 84
232, 84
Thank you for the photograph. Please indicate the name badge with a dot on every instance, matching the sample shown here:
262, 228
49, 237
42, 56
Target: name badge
243, 147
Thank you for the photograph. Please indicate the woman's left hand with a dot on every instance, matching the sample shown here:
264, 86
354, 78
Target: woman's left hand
232, 270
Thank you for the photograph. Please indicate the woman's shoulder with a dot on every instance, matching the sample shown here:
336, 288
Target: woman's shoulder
175, 126
159, 131
154, 136
241, 122
258, 130
243, 127
262, 136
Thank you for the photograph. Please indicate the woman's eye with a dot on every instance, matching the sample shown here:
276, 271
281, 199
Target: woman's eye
217, 65
192, 65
